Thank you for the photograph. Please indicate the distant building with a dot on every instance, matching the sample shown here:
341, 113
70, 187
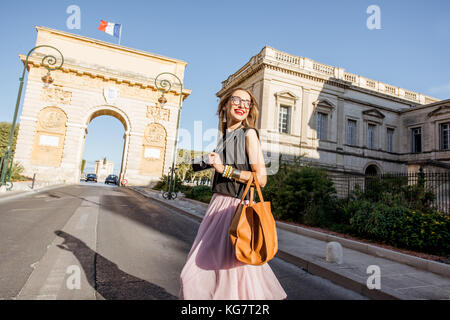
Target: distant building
342, 121
103, 168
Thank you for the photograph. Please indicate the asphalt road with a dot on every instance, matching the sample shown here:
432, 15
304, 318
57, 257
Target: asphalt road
126, 246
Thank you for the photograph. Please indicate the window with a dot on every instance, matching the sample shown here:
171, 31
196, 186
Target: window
371, 136
321, 125
389, 139
284, 119
416, 140
444, 129
351, 132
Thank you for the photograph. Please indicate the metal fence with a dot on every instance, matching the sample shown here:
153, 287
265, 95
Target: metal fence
436, 182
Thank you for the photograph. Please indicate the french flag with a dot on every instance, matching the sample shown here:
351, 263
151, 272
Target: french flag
111, 28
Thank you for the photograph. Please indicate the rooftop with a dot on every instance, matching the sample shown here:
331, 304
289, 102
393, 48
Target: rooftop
306, 66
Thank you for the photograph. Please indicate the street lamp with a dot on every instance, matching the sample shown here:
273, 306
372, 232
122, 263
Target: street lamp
49, 62
164, 86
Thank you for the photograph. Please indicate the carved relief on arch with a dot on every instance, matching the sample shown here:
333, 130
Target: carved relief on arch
48, 145
56, 94
155, 134
153, 150
157, 113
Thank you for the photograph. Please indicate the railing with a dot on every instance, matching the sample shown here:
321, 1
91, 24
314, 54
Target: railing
411, 95
436, 182
349, 77
287, 58
322, 68
370, 83
390, 89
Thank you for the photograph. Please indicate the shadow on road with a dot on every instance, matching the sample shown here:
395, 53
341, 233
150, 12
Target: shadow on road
106, 278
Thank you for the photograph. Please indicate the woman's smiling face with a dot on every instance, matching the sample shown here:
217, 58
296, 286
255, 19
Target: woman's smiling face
239, 105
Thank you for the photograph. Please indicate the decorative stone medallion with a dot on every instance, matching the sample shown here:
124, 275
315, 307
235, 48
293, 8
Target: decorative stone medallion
52, 119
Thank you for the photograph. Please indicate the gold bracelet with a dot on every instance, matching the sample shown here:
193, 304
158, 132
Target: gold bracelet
230, 172
226, 171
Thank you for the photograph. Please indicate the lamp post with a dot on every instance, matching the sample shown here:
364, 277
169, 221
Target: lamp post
164, 86
49, 62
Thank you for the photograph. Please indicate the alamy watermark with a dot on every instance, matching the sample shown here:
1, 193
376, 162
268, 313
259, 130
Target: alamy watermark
374, 20
74, 279
74, 20
374, 280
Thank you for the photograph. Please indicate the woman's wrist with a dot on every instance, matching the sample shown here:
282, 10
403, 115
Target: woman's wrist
221, 169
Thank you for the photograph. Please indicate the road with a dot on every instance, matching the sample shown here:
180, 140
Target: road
92, 241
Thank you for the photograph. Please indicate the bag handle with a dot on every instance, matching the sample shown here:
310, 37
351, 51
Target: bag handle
249, 182
258, 187
247, 187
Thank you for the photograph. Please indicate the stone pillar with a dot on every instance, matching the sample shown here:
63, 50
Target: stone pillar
266, 108
305, 116
340, 132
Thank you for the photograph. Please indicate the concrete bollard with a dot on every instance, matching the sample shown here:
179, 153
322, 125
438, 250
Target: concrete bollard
334, 252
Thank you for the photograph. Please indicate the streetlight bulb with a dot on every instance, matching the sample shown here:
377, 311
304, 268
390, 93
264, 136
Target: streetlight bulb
162, 100
47, 80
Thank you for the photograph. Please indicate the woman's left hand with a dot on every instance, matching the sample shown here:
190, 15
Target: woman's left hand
215, 161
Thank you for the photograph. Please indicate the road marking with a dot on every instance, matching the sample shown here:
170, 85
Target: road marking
82, 222
48, 281
26, 209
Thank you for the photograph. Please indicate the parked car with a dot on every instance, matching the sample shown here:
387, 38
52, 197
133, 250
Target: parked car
112, 178
91, 177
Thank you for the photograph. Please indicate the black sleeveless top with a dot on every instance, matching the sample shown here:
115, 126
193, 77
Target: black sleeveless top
234, 153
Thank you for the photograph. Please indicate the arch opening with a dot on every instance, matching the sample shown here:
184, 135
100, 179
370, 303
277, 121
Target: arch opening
372, 170
104, 144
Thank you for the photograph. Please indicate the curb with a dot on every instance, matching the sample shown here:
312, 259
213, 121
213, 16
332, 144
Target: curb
314, 268
24, 193
419, 263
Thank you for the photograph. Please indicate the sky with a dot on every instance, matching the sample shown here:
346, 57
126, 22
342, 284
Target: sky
410, 50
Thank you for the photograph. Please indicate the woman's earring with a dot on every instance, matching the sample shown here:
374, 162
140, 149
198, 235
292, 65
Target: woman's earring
224, 119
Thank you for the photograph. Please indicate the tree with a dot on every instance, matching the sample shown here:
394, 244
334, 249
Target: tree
5, 129
83, 164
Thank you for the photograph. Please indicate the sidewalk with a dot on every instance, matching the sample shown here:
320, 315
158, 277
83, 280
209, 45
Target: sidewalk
403, 276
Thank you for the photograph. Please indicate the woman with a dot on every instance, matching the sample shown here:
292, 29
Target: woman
211, 270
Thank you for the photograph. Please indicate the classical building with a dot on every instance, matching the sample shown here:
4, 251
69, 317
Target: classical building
103, 168
342, 121
97, 78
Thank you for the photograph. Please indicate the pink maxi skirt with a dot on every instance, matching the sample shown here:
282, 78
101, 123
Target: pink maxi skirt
212, 271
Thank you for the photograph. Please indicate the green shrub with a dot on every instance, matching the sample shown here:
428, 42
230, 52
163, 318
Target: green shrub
395, 189
200, 193
302, 194
424, 231
162, 184
399, 226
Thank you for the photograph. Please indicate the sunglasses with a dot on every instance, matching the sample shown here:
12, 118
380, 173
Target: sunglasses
237, 101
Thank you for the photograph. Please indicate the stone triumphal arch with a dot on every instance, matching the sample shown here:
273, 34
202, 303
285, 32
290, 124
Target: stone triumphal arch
97, 78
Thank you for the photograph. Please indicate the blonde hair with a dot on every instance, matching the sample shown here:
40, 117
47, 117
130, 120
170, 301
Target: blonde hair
252, 114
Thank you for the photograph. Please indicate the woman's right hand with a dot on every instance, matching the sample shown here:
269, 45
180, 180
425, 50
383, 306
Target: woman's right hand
215, 161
